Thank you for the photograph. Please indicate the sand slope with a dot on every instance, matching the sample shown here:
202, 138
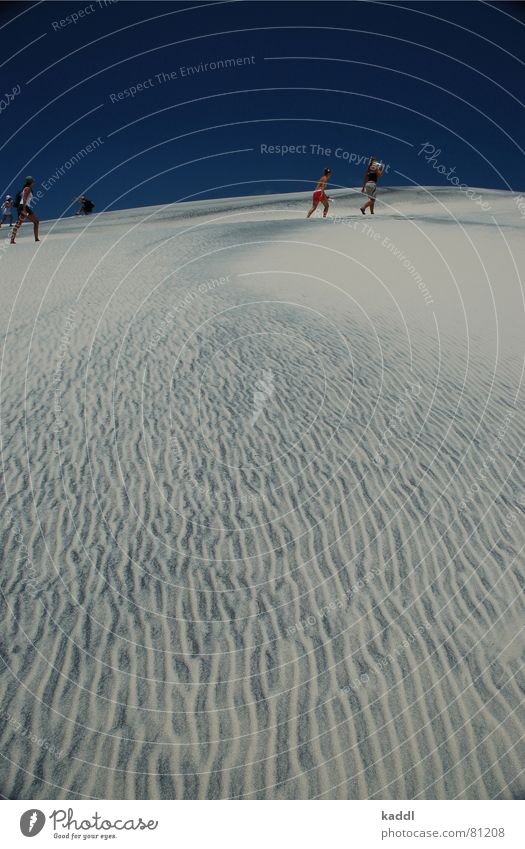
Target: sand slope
264, 520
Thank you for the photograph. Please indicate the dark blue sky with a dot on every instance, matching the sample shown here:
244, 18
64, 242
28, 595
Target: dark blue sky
358, 78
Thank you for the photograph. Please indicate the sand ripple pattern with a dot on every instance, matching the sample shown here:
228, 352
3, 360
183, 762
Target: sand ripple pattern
258, 541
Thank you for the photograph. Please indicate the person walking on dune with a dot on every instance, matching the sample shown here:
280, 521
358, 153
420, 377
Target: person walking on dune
86, 206
320, 194
373, 171
8, 210
23, 205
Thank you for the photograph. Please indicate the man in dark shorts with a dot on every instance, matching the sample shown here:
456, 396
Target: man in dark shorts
23, 205
86, 206
373, 171
320, 194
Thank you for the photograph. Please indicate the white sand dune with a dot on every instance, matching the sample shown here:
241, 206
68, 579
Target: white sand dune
264, 521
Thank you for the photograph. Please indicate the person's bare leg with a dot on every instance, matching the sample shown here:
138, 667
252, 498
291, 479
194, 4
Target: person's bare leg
36, 221
16, 228
326, 207
372, 204
314, 207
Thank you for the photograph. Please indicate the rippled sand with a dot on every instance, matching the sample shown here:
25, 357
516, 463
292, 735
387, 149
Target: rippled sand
263, 535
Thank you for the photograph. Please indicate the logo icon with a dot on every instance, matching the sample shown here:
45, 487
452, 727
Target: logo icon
264, 390
32, 822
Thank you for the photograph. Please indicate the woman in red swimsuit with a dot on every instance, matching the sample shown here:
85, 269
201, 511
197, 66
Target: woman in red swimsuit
319, 194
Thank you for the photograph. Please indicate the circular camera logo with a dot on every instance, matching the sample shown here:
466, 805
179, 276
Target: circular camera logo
32, 822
